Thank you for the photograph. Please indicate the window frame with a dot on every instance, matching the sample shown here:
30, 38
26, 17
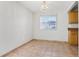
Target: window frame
49, 28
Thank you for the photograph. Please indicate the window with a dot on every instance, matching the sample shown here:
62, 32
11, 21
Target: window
47, 22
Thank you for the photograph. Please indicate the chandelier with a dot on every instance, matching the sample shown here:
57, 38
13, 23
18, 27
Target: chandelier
44, 6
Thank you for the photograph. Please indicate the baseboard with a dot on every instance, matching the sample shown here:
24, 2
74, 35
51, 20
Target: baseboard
23, 43
19, 45
51, 40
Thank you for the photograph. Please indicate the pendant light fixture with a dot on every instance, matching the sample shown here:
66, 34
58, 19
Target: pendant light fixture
44, 6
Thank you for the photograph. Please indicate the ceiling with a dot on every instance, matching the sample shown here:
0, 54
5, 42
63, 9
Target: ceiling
34, 6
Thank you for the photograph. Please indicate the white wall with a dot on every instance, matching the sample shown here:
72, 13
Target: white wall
15, 26
61, 32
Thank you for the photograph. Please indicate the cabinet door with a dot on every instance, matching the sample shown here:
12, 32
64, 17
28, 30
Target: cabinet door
73, 17
78, 38
73, 37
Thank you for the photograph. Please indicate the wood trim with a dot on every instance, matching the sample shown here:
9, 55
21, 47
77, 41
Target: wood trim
72, 28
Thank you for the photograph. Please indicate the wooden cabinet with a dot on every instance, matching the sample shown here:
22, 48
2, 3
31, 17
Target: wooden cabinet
78, 37
73, 17
73, 36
